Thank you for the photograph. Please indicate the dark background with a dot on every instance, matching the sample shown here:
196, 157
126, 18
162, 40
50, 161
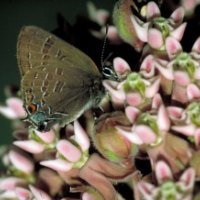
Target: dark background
16, 13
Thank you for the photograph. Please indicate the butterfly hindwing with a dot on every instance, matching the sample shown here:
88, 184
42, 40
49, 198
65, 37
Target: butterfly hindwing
62, 89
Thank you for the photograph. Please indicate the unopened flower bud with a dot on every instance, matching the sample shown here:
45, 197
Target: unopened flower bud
109, 142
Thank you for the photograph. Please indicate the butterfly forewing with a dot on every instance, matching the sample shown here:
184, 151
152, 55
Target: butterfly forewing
37, 47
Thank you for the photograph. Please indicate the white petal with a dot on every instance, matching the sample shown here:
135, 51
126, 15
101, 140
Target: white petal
140, 31
132, 137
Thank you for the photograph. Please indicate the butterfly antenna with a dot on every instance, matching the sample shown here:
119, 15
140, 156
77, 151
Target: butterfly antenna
103, 48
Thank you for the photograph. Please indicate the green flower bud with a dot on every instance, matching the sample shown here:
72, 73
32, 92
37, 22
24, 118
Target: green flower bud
109, 142
134, 82
193, 111
183, 62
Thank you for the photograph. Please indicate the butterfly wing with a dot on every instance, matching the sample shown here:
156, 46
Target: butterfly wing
37, 47
64, 90
56, 74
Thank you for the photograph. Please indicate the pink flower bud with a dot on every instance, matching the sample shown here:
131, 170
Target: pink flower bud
9, 183
121, 67
152, 10
178, 15
23, 194
21, 162
179, 31
81, 136
30, 146
47, 137
163, 172
155, 38
14, 108
39, 194
68, 150
58, 165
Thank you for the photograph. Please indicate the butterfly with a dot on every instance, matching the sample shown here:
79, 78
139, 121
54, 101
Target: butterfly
58, 81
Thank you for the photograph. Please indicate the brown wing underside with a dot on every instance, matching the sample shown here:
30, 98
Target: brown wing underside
56, 87
55, 73
37, 47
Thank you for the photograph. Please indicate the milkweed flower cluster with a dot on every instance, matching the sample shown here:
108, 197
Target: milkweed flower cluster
145, 141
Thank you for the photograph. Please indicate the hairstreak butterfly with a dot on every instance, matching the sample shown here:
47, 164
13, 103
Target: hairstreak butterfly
58, 81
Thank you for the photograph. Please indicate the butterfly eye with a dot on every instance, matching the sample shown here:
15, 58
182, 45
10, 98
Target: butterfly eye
32, 108
109, 73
